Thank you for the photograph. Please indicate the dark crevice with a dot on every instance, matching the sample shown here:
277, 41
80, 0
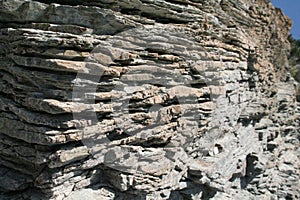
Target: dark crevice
48, 71
44, 47
130, 11
155, 143
43, 56
198, 85
251, 170
117, 134
122, 62
27, 24
162, 20
63, 2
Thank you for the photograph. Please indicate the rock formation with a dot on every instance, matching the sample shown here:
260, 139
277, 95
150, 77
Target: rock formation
146, 99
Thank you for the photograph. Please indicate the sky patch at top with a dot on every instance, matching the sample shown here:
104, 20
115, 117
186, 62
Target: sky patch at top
291, 8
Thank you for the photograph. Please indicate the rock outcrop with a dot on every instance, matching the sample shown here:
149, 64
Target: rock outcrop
146, 99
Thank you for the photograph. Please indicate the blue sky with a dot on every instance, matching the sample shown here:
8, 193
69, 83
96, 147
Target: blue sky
292, 9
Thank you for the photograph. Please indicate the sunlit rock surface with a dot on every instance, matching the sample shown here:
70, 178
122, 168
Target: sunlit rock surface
146, 99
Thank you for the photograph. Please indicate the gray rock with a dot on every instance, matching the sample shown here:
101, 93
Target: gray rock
152, 99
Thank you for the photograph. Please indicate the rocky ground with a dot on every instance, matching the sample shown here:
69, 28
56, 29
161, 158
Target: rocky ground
146, 99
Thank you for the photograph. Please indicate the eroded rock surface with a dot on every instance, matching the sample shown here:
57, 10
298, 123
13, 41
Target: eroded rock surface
146, 99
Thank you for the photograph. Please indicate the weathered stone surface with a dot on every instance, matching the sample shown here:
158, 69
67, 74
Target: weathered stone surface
147, 99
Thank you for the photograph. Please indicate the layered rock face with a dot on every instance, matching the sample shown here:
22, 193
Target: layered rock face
146, 99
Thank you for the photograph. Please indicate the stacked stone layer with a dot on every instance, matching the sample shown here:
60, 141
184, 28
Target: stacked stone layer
146, 99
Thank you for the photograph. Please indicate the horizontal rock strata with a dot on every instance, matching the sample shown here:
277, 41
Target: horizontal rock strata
146, 99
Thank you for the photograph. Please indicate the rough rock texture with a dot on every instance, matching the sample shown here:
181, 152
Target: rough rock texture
146, 99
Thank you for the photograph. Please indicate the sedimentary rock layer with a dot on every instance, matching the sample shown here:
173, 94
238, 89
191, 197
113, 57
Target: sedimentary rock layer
146, 99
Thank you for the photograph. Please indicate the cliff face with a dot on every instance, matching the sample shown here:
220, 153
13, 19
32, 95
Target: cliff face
146, 99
